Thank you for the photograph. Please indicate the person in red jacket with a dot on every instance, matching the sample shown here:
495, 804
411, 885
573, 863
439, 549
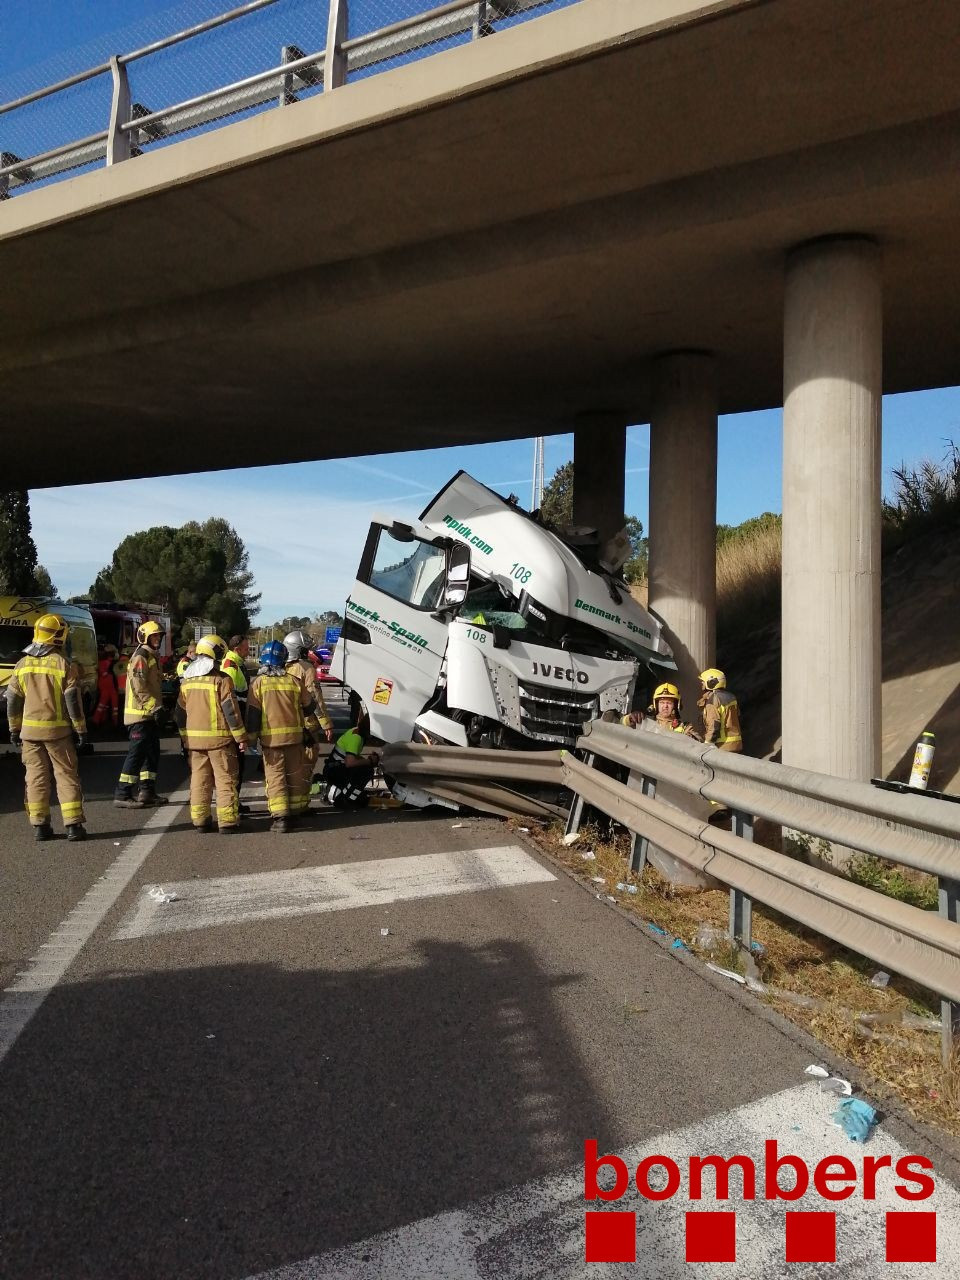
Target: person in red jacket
108, 700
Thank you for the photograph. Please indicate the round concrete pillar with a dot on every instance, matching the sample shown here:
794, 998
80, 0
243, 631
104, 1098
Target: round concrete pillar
599, 461
683, 512
831, 508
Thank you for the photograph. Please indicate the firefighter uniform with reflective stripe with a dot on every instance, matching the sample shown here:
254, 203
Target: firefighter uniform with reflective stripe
44, 708
208, 717
305, 673
279, 709
143, 699
721, 720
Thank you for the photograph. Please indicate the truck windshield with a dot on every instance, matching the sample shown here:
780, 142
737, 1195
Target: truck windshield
537, 624
411, 570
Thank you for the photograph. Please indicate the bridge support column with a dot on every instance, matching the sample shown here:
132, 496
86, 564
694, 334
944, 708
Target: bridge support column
831, 508
599, 462
683, 513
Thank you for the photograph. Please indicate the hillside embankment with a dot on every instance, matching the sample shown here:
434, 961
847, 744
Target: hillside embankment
920, 602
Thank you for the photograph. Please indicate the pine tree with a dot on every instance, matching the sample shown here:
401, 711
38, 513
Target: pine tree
18, 552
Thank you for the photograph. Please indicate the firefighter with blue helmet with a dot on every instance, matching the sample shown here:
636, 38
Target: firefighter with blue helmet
282, 713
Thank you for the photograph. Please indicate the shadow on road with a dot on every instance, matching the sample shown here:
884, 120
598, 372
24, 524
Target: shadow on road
218, 1122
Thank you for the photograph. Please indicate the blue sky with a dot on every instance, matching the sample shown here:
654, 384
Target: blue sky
304, 525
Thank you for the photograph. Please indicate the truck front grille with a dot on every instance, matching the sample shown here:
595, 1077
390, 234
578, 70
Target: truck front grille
555, 715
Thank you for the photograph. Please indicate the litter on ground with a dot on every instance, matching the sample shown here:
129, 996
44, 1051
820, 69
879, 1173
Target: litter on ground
728, 973
856, 1118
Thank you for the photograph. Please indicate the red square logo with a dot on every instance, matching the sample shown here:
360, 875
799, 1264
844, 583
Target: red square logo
711, 1237
911, 1237
611, 1237
811, 1237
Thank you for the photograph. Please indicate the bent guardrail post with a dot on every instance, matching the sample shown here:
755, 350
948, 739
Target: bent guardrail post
575, 817
639, 844
335, 60
119, 144
949, 896
741, 907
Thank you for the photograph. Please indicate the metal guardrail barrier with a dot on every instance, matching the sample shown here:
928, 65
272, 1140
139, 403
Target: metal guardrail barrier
913, 830
480, 778
132, 126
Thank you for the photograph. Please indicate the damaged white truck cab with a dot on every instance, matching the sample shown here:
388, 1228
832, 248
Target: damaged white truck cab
477, 626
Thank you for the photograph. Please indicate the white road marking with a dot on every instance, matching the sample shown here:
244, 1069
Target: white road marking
21, 1000
275, 895
537, 1230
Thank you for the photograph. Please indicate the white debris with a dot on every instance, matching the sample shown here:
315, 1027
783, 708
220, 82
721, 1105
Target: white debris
837, 1085
572, 838
728, 973
384, 933
599, 879
880, 979
589, 856
813, 1070
456, 826
525, 830
159, 894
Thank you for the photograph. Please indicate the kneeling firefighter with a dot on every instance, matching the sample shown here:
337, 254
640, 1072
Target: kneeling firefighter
208, 717
282, 713
44, 709
347, 771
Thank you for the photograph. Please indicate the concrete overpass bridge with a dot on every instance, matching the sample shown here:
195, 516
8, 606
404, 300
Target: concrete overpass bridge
615, 213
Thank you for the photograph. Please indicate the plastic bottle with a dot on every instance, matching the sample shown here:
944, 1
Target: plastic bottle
922, 760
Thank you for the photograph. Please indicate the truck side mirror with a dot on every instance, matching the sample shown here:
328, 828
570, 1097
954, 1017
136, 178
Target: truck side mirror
457, 581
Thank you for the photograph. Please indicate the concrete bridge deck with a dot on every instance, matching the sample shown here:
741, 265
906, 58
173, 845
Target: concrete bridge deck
488, 242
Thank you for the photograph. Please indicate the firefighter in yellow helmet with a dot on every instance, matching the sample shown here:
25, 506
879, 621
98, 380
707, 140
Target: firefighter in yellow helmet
44, 709
282, 712
666, 708
721, 711
142, 713
208, 717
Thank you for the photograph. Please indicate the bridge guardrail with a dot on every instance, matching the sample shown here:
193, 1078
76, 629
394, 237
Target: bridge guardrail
133, 126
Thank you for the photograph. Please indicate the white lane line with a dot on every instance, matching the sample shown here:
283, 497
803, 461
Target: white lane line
21, 1000
537, 1230
275, 895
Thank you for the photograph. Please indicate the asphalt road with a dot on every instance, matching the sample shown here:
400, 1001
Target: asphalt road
254, 1079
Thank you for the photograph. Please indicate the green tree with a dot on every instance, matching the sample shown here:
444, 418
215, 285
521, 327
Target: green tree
556, 509
18, 552
43, 583
196, 572
238, 578
556, 512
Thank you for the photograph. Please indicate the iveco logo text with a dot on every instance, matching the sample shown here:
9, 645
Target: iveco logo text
466, 532
560, 673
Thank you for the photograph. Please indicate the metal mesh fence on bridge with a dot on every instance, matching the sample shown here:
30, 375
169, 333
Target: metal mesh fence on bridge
214, 66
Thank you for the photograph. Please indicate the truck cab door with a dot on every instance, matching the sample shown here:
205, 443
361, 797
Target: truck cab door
396, 622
